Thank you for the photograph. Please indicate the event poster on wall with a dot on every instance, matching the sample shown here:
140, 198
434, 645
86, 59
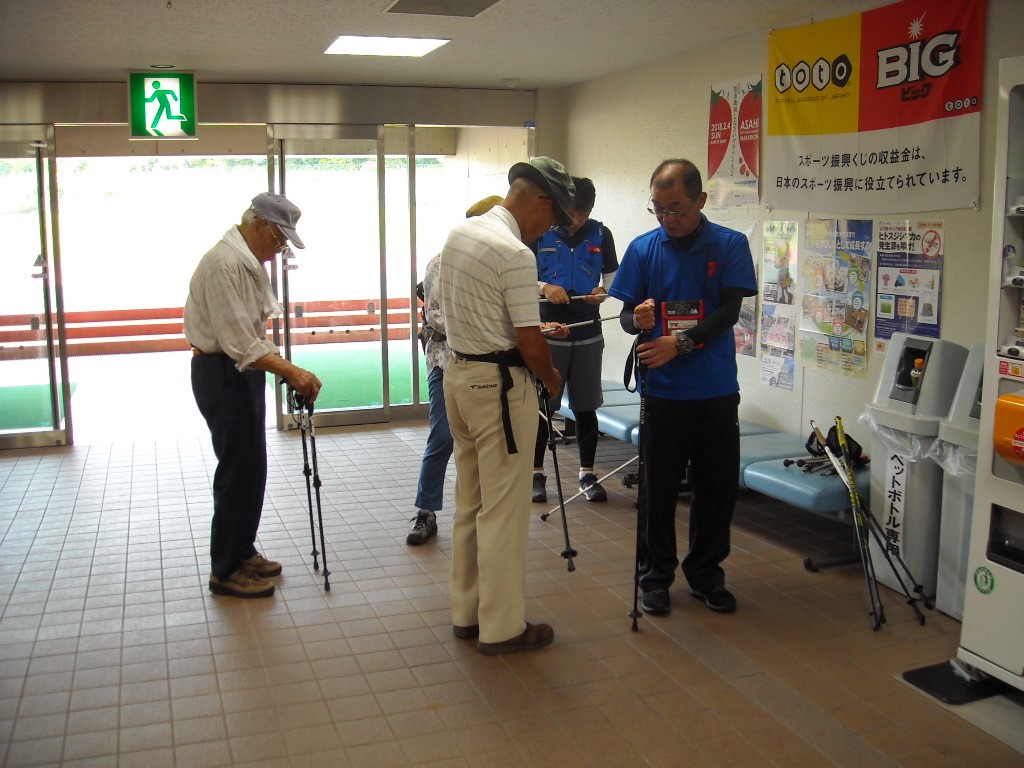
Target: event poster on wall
909, 279
779, 252
734, 142
835, 289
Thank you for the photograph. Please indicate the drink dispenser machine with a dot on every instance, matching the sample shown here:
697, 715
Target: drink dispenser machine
914, 393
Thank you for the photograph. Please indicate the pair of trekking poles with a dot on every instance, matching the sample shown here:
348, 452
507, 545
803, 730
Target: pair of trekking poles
868, 529
302, 412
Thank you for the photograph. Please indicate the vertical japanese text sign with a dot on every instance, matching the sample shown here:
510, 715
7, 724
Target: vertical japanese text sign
162, 105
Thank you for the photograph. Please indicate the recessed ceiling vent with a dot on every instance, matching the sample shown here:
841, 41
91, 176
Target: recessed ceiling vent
461, 8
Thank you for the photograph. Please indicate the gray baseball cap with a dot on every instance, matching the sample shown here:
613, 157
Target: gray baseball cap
278, 209
551, 176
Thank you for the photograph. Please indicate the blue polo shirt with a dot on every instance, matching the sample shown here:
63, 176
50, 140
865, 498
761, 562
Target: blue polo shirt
656, 267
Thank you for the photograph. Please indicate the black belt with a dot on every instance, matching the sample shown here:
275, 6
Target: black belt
509, 358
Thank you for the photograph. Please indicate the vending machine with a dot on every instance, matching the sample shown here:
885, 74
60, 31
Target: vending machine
993, 622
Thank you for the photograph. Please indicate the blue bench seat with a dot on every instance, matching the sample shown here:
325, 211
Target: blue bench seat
767, 446
810, 491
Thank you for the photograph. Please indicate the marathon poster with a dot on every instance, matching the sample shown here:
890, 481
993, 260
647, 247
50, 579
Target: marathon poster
878, 111
734, 143
835, 291
909, 279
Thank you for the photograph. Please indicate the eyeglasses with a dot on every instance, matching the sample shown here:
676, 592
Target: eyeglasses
280, 241
653, 209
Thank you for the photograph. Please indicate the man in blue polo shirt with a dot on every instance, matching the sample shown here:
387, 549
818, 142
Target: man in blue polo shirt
682, 284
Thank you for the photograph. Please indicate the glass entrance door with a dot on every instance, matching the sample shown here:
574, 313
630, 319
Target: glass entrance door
34, 388
347, 293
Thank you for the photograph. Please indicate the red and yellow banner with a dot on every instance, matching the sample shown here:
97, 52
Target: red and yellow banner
877, 112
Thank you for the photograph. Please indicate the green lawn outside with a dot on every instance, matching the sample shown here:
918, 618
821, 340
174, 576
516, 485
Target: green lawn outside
352, 376
26, 407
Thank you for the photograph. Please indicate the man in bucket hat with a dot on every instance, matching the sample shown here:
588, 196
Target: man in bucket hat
229, 301
488, 281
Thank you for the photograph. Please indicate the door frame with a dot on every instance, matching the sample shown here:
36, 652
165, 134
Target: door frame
277, 135
42, 139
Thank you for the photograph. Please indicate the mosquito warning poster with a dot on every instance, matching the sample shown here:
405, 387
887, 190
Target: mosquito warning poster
779, 245
909, 278
835, 289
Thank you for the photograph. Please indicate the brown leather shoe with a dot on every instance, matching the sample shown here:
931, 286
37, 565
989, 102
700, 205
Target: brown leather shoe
535, 636
472, 632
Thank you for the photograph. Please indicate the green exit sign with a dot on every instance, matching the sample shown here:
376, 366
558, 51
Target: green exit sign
163, 106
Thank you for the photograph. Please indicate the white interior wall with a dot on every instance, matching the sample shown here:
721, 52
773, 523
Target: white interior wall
616, 129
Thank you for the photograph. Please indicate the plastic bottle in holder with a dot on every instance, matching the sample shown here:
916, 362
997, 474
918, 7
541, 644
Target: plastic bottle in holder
917, 372
1012, 271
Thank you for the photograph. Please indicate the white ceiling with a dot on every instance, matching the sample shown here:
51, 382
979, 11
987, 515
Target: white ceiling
538, 43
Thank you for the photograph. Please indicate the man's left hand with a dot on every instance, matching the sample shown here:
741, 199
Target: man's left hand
596, 296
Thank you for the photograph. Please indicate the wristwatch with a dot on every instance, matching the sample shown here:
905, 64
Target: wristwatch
684, 344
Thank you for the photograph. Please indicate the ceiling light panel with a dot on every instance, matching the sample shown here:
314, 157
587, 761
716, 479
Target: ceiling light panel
461, 8
355, 45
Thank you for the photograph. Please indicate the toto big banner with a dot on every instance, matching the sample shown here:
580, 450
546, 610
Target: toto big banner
878, 112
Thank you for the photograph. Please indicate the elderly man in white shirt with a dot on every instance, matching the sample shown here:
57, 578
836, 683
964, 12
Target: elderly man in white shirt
229, 301
492, 318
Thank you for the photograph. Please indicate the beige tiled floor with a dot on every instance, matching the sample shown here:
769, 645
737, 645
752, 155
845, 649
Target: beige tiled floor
112, 651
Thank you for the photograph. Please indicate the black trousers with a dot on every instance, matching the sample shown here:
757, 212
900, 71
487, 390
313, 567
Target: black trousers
234, 407
705, 434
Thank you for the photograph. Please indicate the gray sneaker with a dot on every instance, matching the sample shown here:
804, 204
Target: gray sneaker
424, 527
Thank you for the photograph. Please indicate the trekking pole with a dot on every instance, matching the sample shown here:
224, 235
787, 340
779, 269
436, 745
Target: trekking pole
845, 471
572, 298
299, 416
601, 479
568, 553
580, 324
299, 402
875, 527
643, 485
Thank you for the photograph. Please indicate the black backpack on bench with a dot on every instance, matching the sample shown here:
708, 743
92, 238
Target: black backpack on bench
815, 448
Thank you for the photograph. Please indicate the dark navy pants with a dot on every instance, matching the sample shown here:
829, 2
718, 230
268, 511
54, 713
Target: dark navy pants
234, 407
704, 433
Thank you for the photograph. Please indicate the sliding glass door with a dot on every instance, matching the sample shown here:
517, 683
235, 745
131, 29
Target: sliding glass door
34, 388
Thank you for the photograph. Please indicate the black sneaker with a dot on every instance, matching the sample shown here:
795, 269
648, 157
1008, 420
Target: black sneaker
592, 489
540, 490
717, 599
424, 526
656, 602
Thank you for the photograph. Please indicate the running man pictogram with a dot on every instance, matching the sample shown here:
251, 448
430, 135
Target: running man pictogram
163, 97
